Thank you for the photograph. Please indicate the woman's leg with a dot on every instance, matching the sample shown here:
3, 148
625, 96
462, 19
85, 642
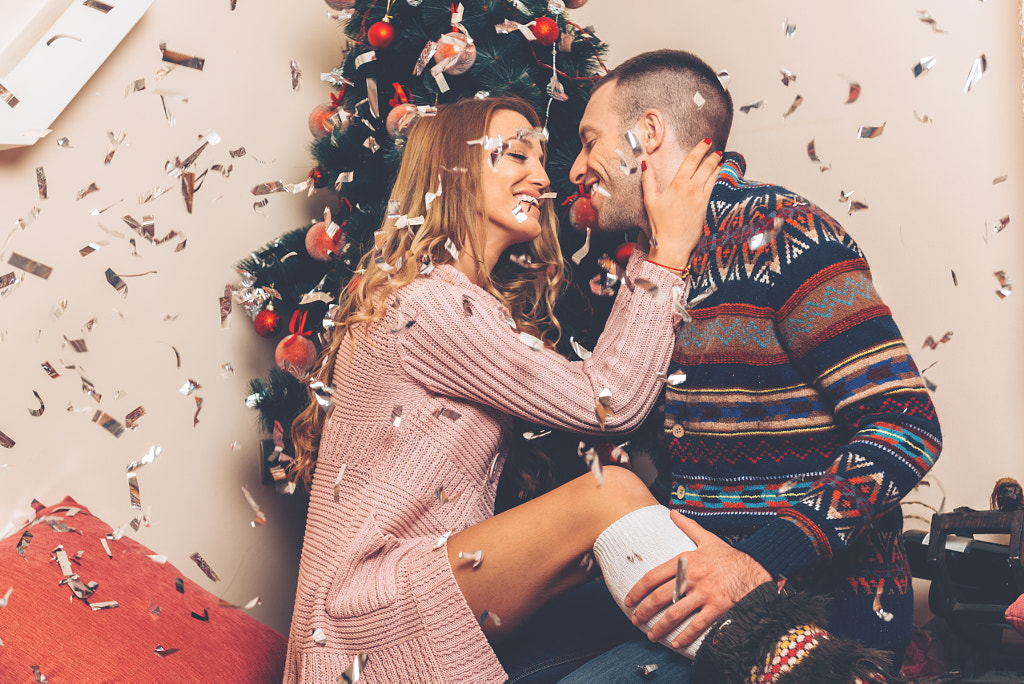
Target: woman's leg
534, 551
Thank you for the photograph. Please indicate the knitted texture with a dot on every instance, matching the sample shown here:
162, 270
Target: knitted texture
635, 544
420, 417
803, 420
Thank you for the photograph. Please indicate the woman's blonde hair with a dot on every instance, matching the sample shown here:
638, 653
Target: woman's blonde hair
436, 154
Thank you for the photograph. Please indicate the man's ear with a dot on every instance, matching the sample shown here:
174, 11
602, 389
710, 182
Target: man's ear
652, 130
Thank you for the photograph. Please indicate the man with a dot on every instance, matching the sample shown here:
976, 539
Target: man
802, 420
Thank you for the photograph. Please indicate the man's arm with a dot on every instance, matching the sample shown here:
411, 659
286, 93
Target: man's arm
841, 337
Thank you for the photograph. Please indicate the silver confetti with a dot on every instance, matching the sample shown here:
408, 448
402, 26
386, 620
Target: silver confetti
296, 75
1005, 286
396, 416
977, 69
488, 614
42, 407
319, 638
792, 108
923, 66
787, 76
788, 28
476, 557
870, 132
582, 252
354, 671
442, 540
581, 352
679, 589
756, 104
530, 436
204, 566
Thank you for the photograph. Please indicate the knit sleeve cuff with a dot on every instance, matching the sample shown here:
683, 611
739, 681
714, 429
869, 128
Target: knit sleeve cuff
781, 548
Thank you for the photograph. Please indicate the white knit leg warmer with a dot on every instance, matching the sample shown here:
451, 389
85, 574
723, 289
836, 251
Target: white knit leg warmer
633, 545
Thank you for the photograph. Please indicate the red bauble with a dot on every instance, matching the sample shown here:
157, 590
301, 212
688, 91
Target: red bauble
267, 323
322, 246
401, 119
322, 121
317, 176
623, 252
575, 4
455, 46
381, 34
545, 30
295, 354
582, 215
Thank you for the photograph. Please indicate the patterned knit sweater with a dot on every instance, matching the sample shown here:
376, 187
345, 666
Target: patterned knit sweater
420, 417
803, 420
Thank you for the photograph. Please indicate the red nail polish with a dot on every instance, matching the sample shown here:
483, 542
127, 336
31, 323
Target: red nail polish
718, 152
643, 165
707, 141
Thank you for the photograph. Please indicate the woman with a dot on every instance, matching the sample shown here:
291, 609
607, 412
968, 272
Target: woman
433, 354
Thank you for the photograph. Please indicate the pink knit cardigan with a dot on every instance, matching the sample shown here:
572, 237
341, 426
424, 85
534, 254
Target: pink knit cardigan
374, 577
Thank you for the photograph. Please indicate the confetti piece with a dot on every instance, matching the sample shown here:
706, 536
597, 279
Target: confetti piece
876, 605
787, 76
530, 341
354, 671
199, 407
856, 205
977, 69
923, 66
41, 181
205, 617
530, 436
488, 614
50, 370
698, 100
582, 252
476, 557
926, 17
319, 638
953, 274
870, 132
854, 93
788, 28
931, 342
108, 423
6, 442
646, 670
604, 407
131, 420
793, 107
296, 75
448, 413
181, 59
116, 283
64, 142
679, 589
8, 97
39, 676
29, 265
42, 407
580, 351
1005, 286
92, 247
163, 652
204, 566
103, 605
396, 416
106, 547
998, 226
189, 387
6, 597
261, 518
442, 540
999, 179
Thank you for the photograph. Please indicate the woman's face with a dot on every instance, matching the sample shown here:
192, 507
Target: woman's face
511, 188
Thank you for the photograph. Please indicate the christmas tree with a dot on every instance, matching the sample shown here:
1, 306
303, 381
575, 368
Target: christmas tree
405, 57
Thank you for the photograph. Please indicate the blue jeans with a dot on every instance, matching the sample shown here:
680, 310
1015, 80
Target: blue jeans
583, 636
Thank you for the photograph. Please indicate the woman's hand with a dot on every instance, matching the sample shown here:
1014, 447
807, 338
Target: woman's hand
676, 216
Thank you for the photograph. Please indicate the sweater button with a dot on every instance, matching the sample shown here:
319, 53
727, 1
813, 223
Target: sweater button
680, 491
678, 430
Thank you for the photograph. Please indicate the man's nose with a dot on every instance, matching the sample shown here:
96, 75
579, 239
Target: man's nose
579, 169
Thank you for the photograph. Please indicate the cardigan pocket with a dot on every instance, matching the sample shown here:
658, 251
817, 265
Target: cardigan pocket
369, 581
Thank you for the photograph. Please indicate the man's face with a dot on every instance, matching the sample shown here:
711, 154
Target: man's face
615, 196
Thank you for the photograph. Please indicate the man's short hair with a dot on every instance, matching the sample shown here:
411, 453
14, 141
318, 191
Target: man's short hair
680, 85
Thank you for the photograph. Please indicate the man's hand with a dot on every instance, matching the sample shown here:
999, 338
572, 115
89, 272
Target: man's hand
717, 576
676, 216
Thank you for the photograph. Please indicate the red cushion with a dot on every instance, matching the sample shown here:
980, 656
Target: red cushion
69, 641
1015, 614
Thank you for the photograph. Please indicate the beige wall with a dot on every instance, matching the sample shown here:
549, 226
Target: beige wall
928, 186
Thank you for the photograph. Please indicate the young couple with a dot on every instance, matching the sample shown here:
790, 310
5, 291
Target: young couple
444, 340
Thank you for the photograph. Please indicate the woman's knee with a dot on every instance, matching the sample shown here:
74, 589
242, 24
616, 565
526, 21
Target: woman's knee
623, 486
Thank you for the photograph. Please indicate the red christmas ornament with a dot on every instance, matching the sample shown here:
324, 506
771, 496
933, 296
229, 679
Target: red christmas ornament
623, 252
267, 322
582, 215
320, 245
381, 34
575, 4
317, 176
545, 30
295, 354
322, 121
401, 119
